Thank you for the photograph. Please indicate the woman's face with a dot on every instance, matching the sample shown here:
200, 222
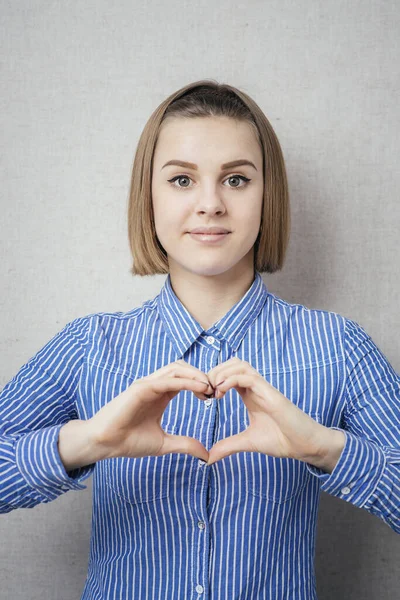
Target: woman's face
188, 197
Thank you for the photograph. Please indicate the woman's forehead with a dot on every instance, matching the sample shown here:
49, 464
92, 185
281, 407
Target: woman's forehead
187, 139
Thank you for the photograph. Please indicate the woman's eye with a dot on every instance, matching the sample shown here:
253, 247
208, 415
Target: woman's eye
241, 178
186, 177
176, 178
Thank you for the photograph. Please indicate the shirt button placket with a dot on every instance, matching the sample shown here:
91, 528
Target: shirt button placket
211, 340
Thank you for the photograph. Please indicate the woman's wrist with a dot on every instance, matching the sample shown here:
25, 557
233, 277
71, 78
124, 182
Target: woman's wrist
330, 447
77, 445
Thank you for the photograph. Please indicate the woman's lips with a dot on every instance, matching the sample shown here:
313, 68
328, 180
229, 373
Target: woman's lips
209, 238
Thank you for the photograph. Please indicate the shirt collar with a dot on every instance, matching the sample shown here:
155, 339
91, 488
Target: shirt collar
183, 328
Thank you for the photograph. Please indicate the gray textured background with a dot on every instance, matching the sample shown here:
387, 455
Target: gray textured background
79, 80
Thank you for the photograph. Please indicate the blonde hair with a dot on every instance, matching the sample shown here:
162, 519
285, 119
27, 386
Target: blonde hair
207, 98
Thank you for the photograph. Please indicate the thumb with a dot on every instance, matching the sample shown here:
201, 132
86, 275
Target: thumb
230, 445
183, 444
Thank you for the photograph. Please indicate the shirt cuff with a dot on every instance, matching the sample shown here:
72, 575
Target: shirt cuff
357, 473
39, 462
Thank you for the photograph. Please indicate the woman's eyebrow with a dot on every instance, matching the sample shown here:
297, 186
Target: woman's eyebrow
224, 167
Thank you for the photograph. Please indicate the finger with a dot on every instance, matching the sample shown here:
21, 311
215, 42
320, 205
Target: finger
230, 445
235, 363
263, 396
226, 371
179, 369
176, 384
183, 364
185, 445
179, 378
176, 369
235, 380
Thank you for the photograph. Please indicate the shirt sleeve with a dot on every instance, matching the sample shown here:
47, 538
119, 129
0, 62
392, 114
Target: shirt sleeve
34, 406
367, 473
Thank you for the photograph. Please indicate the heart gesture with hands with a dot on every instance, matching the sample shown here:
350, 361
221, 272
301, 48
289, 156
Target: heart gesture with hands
277, 426
130, 424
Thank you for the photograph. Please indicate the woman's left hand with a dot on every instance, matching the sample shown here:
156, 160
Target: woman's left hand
277, 427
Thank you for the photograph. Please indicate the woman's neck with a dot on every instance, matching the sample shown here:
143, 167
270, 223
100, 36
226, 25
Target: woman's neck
208, 299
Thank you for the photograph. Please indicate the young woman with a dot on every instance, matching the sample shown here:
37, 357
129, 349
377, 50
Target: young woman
211, 416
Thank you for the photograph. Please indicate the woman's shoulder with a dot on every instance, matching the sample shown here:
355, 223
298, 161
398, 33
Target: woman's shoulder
303, 315
296, 309
119, 316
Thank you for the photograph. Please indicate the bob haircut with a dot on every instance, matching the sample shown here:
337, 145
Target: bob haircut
207, 98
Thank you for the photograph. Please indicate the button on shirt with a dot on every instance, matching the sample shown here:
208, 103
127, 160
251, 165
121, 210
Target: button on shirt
169, 526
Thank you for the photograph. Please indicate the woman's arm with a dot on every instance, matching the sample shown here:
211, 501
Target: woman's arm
367, 473
34, 407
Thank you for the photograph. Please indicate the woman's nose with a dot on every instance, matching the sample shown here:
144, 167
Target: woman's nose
211, 202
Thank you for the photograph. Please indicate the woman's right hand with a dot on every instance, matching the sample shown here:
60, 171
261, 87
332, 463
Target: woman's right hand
130, 424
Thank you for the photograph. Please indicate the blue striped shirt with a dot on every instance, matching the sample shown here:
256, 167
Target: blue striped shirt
169, 527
